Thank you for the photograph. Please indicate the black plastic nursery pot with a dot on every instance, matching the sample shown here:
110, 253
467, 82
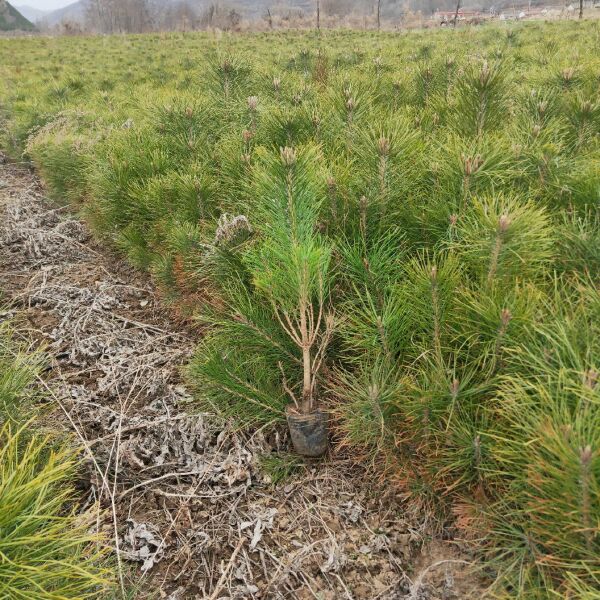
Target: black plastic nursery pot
308, 432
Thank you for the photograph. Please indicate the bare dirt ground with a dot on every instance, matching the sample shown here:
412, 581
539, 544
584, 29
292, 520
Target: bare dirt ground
185, 502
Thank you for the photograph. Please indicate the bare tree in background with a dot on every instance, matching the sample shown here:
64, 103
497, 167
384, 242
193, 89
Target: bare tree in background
581, 9
118, 16
378, 15
456, 13
208, 16
318, 14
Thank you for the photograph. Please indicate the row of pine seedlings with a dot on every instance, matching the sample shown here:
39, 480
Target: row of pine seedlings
47, 545
407, 240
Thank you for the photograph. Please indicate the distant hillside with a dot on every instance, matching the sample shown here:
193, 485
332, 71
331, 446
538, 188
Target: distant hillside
12, 20
31, 13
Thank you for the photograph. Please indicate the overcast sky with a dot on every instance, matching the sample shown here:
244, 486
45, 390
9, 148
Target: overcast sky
43, 4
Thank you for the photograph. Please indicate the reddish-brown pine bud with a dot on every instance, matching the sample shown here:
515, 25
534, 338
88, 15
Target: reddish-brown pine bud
471, 164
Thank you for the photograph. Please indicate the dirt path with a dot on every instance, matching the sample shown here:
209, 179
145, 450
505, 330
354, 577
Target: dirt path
195, 516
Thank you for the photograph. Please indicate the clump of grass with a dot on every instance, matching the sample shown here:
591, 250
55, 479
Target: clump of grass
17, 371
47, 548
281, 467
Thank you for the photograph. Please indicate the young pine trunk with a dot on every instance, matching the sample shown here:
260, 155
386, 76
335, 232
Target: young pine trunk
306, 406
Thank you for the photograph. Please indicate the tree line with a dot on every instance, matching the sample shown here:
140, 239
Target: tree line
136, 16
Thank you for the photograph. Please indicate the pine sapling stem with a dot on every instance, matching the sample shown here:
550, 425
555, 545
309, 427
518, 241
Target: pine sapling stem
585, 457
435, 303
505, 317
306, 365
503, 225
363, 204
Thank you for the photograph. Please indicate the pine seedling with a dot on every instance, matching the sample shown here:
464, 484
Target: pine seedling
275, 323
62, 153
291, 269
583, 114
463, 455
571, 344
134, 245
124, 163
229, 76
541, 106
375, 319
541, 160
287, 126
185, 244
376, 326
365, 405
502, 239
460, 170
427, 292
567, 78
350, 105
481, 99
233, 161
491, 321
444, 409
579, 240
433, 80
549, 456
189, 123
384, 157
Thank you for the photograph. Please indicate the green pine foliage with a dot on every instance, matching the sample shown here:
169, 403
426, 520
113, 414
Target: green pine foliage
47, 550
402, 229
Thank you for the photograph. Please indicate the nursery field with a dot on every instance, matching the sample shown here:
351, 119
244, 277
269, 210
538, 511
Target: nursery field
400, 231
